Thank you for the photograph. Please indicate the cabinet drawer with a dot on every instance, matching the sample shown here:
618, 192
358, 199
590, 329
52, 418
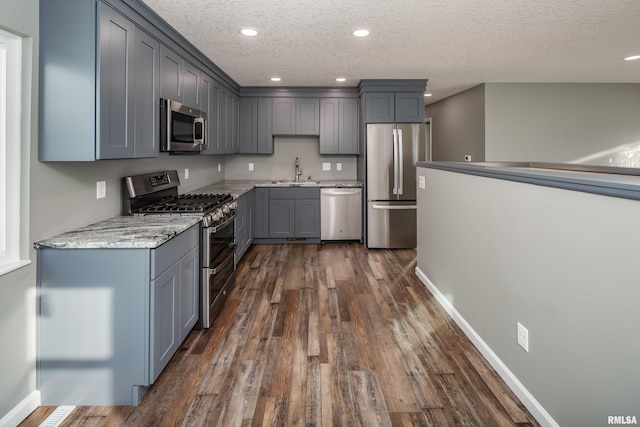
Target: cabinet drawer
169, 252
294, 193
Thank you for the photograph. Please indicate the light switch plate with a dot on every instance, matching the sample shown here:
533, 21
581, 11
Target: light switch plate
338, 166
326, 166
186, 173
421, 182
101, 189
250, 166
523, 337
219, 167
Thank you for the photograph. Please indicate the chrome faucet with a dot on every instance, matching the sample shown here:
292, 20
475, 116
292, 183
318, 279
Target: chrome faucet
298, 170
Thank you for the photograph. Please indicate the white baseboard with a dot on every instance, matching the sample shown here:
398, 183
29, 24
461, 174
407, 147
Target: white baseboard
21, 410
527, 399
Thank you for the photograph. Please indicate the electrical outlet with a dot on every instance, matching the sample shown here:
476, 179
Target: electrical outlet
250, 166
467, 157
101, 189
186, 173
338, 166
219, 167
523, 337
326, 166
422, 182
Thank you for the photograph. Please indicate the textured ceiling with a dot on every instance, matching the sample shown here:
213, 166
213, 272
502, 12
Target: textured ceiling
456, 44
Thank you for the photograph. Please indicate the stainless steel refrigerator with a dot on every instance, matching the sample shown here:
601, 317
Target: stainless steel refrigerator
392, 152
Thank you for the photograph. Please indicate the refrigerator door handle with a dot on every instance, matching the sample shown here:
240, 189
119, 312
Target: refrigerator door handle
393, 207
400, 163
395, 161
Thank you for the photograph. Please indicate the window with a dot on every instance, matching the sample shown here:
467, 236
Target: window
10, 140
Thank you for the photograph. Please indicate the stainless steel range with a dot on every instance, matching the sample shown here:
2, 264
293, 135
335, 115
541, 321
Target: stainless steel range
157, 194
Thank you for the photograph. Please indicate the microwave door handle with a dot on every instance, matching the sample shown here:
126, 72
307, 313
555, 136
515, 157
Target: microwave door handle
198, 122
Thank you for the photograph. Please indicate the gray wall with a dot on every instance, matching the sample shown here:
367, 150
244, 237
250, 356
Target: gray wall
560, 262
588, 123
281, 164
57, 198
458, 126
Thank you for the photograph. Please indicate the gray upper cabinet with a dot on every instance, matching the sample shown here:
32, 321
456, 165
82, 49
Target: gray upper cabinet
255, 125
210, 104
171, 73
307, 116
338, 126
265, 135
248, 130
296, 116
147, 89
100, 47
284, 116
191, 86
409, 107
389, 107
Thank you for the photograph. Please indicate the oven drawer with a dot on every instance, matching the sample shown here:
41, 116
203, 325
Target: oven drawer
165, 255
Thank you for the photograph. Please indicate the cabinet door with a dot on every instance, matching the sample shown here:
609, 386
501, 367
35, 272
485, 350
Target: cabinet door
284, 116
116, 59
250, 221
235, 114
239, 232
191, 86
223, 120
147, 89
409, 107
281, 218
171, 66
307, 116
261, 219
265, 135
189, 292
248, 125
205, 89
214, 145
165, 337
329, 126
379, 108
307, 218
348, 126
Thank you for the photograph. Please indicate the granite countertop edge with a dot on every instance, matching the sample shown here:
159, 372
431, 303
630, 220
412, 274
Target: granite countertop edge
238, 188
121, 232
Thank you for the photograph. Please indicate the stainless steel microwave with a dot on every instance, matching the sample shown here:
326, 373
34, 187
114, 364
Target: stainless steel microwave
182, 128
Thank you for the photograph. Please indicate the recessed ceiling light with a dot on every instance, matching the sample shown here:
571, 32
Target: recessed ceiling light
250, 32
631, 58
341, 79
361, 33
428, 94
275, 79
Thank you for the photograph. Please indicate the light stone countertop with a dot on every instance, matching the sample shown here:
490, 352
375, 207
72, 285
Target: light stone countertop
122, 232
239, 187
153, 230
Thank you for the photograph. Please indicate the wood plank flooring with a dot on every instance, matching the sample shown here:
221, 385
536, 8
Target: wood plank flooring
322, 335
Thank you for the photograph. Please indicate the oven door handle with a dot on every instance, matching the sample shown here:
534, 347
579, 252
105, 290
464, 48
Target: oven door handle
227, 260
224, 224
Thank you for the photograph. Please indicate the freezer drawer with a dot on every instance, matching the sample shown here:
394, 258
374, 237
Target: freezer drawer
341, 214
391, 225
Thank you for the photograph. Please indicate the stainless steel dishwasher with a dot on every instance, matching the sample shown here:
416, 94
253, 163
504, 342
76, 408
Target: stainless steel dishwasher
341, 214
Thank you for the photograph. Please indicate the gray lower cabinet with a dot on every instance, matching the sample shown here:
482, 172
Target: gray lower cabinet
109, 320
244, 221
294, 213
261, 218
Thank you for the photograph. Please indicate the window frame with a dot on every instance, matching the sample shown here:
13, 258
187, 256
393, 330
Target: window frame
11, 140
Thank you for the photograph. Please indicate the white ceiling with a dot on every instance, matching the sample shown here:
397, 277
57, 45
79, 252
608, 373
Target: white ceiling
456, 44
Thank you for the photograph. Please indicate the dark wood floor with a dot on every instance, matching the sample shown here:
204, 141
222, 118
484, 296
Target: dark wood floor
331, 335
